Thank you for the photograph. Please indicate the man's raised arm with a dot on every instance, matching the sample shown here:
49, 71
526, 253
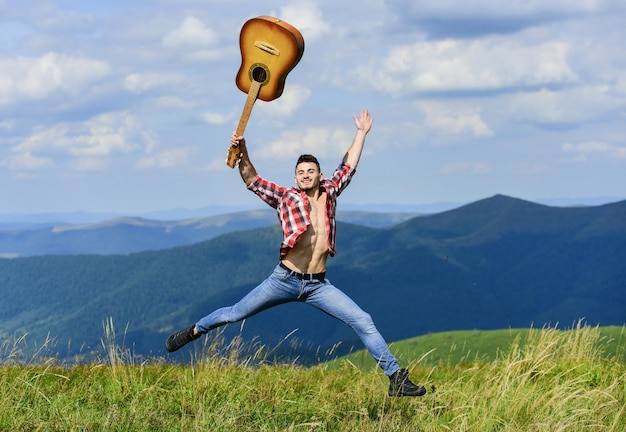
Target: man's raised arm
363, 126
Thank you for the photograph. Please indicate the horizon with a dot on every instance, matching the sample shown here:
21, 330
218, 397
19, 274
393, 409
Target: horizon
172, 214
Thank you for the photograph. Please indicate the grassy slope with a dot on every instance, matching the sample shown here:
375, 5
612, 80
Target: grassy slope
469, 345
554, 380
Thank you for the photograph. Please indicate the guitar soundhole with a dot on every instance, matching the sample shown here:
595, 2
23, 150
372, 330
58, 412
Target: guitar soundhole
259, 73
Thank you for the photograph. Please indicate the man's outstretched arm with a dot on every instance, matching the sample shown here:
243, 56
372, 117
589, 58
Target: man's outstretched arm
363, 126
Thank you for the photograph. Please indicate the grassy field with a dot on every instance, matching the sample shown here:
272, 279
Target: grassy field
481, 345
531, 380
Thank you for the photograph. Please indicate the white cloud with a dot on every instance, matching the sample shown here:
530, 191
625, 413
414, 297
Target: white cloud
581, 150
587, 147
321, 141
192, 33
566, 106
141, 82
307, 17
165, 159
60, 21
454, 119
7, 124
493, 63
174, 102
293, 97
90, 163
25, 161
99, 137
38, 78
217, 164
108, 133
217, 118
496, 10
620, 82
205, 55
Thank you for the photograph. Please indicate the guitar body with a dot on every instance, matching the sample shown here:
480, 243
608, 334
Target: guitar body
270, 49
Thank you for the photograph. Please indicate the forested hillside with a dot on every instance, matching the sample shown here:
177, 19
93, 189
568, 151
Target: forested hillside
496, 263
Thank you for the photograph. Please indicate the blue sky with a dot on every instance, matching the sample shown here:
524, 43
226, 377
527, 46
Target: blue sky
127, 106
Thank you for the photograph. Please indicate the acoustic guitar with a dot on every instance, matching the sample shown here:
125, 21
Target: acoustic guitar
270, 49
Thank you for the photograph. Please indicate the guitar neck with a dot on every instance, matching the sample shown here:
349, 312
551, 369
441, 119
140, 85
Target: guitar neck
253, 93
234, 154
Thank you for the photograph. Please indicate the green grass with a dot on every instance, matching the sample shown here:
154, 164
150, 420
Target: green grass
483, 345
546, 380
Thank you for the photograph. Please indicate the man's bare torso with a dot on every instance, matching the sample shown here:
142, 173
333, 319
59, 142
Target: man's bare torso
310, 252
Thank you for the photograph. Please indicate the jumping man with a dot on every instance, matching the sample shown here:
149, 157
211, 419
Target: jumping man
307, 216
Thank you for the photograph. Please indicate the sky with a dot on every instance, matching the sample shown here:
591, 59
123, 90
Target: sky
128, 106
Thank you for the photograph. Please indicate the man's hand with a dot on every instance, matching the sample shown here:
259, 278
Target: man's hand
238, 141
364, 123
246, 169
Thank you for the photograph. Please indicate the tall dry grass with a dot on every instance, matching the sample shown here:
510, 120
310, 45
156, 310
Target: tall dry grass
551, 381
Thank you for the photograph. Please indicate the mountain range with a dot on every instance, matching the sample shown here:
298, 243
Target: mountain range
124, 235
495, 263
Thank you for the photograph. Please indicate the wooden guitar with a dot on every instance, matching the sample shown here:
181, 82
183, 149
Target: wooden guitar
270, 49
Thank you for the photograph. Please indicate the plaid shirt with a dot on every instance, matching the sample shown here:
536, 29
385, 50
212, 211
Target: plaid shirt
292, 205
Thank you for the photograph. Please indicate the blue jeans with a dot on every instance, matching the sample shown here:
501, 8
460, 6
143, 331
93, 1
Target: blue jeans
282, 287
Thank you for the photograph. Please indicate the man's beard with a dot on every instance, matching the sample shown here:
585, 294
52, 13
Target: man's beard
310, 186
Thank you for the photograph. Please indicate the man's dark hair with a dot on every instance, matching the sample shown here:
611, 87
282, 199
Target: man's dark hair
308, 158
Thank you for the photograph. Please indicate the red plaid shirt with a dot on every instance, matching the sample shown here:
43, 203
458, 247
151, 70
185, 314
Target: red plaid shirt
292, 205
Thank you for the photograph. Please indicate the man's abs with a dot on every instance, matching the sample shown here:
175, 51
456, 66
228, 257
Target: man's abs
310, 252
306, 258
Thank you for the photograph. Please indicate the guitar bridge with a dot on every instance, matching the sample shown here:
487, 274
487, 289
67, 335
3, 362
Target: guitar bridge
267, 48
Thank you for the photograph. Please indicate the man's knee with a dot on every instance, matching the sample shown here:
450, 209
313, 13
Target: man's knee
364, 322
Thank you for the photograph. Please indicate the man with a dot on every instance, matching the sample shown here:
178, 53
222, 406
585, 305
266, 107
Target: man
307, 216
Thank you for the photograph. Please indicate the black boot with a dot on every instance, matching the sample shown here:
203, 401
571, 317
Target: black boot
401, 385
180, 338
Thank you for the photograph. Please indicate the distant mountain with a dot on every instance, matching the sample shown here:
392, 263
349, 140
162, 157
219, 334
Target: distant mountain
34, 220
23, 221
125, 235
496, 263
